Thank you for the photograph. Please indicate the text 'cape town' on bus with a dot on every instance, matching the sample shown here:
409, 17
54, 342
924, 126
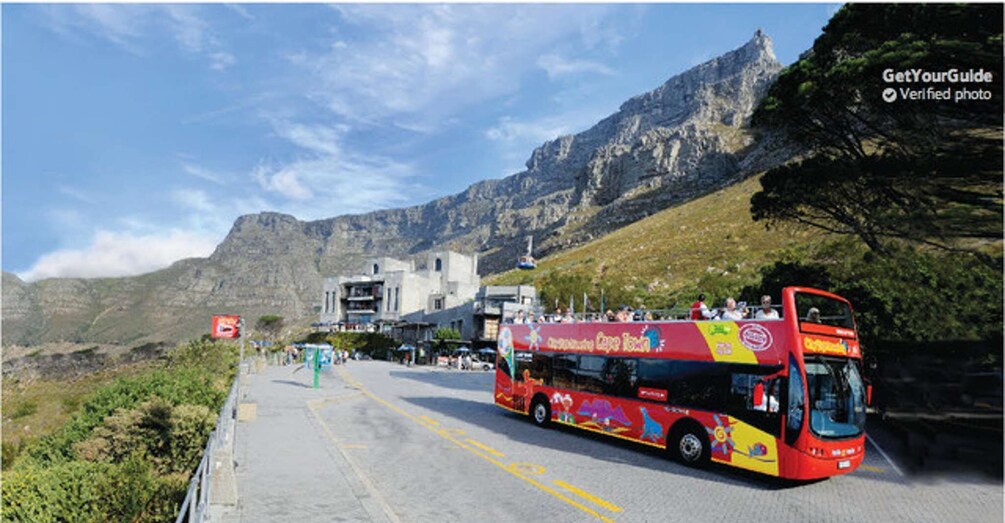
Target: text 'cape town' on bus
783, 397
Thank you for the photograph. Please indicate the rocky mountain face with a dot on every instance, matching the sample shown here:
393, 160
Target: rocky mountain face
688, 137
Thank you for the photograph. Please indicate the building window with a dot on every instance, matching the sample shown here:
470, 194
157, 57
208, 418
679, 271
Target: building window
437, 303
396, 296
376, 268
439, 265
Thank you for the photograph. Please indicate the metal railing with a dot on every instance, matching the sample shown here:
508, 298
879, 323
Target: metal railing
195, 508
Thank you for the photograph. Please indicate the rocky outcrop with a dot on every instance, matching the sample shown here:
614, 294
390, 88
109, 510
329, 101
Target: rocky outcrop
685, 138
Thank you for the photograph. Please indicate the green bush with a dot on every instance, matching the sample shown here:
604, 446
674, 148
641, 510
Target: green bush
26, 408
91, 492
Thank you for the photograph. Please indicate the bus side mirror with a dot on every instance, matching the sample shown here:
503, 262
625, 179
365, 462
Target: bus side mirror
868, 395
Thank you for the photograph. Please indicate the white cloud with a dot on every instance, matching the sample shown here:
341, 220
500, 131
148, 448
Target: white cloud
132, 26
424, 64
510, 130
113, 254
192, 199
77, 194
286, 180
205, 174
557, 66
327, 174
221, 60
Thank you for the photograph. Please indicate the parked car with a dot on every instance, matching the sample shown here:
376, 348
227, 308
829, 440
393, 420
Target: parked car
479, 364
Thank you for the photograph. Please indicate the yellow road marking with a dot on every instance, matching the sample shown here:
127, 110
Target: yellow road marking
870, 468
486, 448
429, 421
476, 452
353, 446
587, 496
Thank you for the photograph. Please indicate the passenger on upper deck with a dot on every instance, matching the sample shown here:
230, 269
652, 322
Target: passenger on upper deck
567, 318
519, 317
624, 314
699, 311
610, 315
731, 312
813, 315
766, 312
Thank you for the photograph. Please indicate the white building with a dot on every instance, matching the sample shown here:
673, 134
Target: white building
391, 291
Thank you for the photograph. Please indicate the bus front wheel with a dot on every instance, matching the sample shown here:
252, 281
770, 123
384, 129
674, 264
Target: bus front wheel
690, 445
540, 411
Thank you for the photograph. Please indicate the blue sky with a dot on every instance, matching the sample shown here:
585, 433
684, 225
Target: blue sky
134, 135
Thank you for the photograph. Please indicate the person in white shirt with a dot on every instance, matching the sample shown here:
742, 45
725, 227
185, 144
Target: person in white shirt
731, 312
766, 312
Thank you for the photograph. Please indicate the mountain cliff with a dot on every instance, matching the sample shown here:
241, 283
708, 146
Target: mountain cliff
684, 139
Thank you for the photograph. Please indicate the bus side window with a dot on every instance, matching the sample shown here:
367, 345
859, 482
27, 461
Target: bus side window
588, 378
540, 368
564, 371
523, 362
620, 377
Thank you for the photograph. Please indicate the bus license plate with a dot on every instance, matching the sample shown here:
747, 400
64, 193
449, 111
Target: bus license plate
843, 464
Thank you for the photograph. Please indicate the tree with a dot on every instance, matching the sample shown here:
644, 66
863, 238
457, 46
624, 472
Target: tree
922, 171
444, 334
270, 325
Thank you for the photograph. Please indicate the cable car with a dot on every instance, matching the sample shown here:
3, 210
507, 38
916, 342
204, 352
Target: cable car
527, 262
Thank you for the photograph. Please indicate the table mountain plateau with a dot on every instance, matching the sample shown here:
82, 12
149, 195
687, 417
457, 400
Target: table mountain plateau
686, 138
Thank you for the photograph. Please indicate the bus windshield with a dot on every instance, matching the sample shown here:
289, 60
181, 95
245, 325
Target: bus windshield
821, 310
836, 397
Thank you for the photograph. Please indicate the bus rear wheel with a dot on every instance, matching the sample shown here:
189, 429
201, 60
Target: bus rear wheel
540, 411
689, 445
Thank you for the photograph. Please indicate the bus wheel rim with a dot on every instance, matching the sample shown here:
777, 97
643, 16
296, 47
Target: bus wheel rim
690, 447
539, 413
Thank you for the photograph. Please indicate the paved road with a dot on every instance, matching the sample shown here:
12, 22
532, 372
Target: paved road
415, 444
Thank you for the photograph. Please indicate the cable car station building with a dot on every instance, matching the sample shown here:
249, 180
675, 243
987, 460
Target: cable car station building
395, 297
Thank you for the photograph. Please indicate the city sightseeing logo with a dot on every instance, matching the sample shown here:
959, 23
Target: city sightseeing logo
952, 78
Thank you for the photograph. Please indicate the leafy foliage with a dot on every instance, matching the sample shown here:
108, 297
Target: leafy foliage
446, 333
928, 172
127, 453
270, 325
904, 296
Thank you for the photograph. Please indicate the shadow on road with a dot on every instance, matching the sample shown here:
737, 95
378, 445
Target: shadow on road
519, 428
463, 380
291, 382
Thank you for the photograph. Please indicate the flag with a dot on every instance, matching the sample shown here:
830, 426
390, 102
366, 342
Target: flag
603, 305
586, 303
572, 305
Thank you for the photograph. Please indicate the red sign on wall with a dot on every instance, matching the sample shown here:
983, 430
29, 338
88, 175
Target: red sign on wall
226, 326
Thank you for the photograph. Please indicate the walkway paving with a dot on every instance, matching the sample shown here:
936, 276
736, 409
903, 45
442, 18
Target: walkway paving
289, 467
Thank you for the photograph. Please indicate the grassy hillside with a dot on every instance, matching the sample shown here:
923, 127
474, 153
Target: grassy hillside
710, 244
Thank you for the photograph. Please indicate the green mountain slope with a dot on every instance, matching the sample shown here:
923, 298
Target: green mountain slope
710, 244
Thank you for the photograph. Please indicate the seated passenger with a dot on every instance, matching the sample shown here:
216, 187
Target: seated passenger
813, 315
624, 315
731, 312
766, 312
700, 311
610, 315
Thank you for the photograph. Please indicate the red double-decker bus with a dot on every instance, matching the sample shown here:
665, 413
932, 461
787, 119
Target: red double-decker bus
783, 397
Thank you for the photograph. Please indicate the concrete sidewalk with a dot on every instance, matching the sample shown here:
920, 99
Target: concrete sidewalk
289, 465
